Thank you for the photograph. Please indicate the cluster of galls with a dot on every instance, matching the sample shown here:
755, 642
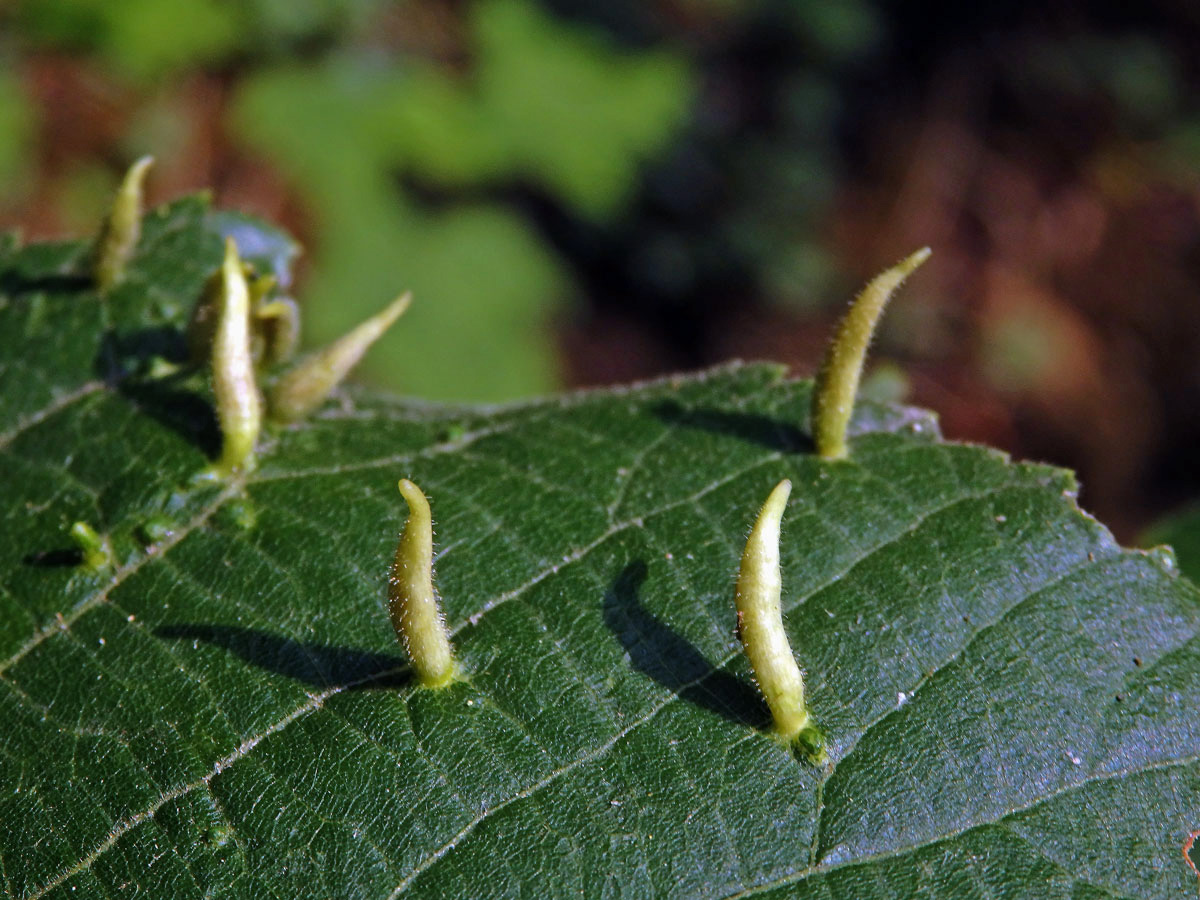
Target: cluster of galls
241, 329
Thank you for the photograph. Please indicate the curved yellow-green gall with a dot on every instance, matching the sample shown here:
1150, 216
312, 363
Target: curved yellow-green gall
837, 379
760, 626
411, 599
305, 387
119, 234
274, 321
239, 409
277, 328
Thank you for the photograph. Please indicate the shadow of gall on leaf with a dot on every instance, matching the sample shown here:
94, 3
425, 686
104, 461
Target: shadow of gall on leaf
126, 361
177, 407
50, 283
61, 558
781, 437
317, 665
658, 652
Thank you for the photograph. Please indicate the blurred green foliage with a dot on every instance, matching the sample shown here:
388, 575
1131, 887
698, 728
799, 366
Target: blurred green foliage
146, 40
689, 153
594, 107
16, 130
543, 102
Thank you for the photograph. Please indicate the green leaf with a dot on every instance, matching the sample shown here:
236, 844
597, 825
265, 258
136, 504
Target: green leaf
143, 39
576, 114
545, 102
1010, 698
479, 275
17, 125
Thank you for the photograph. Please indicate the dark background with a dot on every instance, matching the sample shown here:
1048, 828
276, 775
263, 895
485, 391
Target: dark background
584, 193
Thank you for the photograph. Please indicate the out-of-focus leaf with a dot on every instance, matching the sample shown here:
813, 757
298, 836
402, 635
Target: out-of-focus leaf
484, 286
843, 29
16, 136
576, 114
148, 39
145, 39
544, 102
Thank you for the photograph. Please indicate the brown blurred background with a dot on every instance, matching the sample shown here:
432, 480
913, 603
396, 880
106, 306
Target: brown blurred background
583, 193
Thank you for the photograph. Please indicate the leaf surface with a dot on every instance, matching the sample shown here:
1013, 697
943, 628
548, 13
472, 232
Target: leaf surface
1010, 698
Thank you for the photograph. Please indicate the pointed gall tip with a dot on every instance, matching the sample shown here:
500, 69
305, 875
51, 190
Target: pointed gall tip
306, 386
137, 172
395, 309
911, 263
231, 259
778, 498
